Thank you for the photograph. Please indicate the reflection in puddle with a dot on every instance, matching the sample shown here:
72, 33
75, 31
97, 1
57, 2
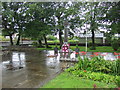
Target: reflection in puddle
52, 62
37, 68
40, 69
17, 61
18, 56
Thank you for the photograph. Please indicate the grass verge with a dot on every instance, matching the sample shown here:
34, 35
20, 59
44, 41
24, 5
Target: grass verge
82, 48
67, 80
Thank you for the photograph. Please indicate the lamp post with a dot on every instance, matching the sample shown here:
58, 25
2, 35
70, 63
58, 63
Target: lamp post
86, 39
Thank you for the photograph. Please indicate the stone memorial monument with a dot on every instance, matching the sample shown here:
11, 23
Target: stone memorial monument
65, 51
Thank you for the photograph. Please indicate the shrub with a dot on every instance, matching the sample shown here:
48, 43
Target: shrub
98, 64
97, 69
51, 37
35, 44
92, 48
95, 76
2, 38
73, 41
53, 41
115, 44
89, 44
83, 64
117, 81
118, 66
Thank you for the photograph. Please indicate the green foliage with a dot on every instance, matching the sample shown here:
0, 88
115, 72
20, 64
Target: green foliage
55, 41
115, 44
108, 37
92, 47
89, 44
114, 17
1, 48
51, 37
118, 66
73, 41
14, 19
96, 64
3, 39
117, 81
97, 69
82, 48
38, 18
83, 64
67, 80
35, 44
94, 75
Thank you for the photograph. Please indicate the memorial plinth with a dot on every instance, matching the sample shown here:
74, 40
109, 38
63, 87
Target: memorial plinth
65, 51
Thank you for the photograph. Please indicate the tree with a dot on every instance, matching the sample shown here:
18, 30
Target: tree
8, 23
14, 19
59, 9
92, 12
20, 19
64, 11
40, 21
113, 16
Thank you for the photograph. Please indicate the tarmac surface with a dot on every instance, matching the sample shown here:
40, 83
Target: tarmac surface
29, 69
33, 69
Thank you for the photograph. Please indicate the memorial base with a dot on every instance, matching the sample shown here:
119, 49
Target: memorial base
65, 52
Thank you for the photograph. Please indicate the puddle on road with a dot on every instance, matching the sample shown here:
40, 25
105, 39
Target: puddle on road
17, 61
37, 68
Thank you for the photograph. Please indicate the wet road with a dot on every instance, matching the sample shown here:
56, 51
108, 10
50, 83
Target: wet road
33, 69
37, 69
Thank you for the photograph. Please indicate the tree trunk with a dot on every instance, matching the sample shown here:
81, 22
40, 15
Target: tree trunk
60, 38
93, 35
18, 40
11, 39
93, 25
46, 44
40, 43
93, 38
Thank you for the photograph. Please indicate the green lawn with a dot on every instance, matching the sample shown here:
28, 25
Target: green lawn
82, 48
66, 80
2, 38
81, 40
98, 49
53, 41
